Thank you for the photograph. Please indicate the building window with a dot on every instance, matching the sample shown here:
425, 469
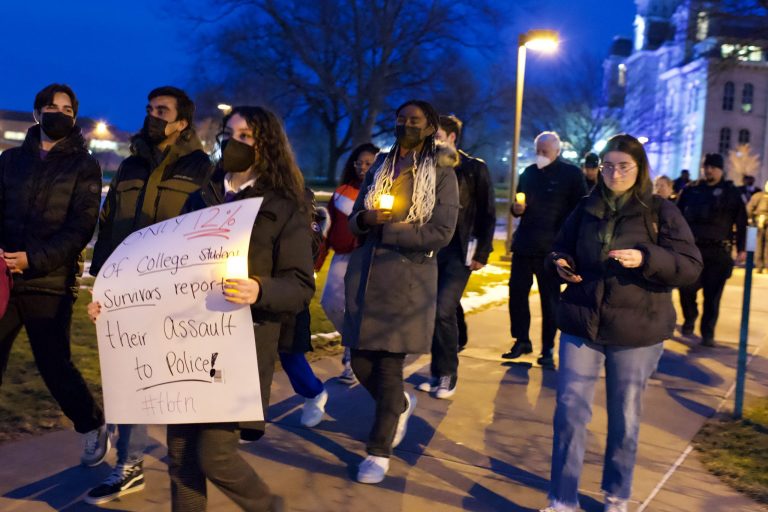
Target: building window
747, 96
622, 75
746, 53
728, 93
725, 141
743, 136
702, 26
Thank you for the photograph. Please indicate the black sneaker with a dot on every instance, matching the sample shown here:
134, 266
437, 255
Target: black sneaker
686, 330
707, 341
518, 349
124, 479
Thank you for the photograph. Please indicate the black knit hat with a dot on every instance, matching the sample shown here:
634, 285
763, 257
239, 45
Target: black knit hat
714, 160
591, 160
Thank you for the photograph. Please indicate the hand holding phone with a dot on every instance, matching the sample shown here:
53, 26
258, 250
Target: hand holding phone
566, 272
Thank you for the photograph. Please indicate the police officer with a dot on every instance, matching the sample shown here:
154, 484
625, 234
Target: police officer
712, 206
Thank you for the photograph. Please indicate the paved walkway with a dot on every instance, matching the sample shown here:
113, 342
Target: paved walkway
487, 449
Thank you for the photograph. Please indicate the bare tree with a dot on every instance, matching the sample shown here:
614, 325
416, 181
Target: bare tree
569, 103
344, 61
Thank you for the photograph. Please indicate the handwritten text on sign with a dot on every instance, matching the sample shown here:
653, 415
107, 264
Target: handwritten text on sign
172, 350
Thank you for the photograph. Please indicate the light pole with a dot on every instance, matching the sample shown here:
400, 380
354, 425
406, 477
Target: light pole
538, 40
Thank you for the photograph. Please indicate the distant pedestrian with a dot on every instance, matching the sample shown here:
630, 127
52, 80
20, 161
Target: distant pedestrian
620, 252
682, 181
343, 242
50, 189
551, 189
757, 211
166, 165
467, 252
718, 217
664, 187
406, 211
589, 168
748, 188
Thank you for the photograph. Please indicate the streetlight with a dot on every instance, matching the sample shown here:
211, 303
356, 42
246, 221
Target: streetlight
101, 129
540, 40
224, 108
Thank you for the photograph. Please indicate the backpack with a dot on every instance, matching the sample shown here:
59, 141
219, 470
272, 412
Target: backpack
6, 284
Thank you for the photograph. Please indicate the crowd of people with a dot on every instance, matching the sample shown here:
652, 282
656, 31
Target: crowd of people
421, 215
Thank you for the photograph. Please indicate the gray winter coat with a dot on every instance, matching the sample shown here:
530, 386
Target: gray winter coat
391, 281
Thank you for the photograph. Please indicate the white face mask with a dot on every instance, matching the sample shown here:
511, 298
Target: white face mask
542, 161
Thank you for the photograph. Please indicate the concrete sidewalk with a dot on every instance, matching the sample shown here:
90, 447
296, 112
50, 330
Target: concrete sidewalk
487, 449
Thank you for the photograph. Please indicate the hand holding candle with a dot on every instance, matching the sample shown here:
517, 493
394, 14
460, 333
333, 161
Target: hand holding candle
518, 207
239, 288
237, 267
520, 198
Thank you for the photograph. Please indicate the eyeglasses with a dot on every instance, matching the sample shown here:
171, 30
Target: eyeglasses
622, 168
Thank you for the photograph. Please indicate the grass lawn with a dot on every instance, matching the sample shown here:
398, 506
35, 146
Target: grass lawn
737, 450
26, 407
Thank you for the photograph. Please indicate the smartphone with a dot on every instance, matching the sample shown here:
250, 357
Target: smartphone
568, 271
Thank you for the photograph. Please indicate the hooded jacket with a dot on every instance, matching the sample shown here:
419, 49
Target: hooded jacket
183, 168
48, 207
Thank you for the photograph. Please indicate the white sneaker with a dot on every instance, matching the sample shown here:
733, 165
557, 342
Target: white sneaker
372, 470
446, 387
429, 386
314, 409
402, 422
614, 504
556, 506
96, 445
347, 376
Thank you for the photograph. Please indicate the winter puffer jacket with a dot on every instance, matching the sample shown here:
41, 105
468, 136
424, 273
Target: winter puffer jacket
614, 305
48, 208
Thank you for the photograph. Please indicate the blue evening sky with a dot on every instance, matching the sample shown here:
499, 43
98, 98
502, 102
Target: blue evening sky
113, 52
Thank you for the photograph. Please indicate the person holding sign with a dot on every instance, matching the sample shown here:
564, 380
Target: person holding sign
49, 203
166, 165
256, 161
391, 280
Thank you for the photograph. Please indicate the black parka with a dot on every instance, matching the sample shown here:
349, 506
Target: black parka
614, 305
280, 259
48, 208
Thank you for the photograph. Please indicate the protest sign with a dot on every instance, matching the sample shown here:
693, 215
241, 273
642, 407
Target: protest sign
171, 348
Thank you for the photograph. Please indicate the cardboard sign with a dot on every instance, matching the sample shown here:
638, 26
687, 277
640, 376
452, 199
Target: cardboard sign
171, 349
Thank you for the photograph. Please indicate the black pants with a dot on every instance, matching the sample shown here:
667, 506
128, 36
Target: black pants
452, 277
462, 323
523, 269
47, 320
718, 266
209, 450
381, 373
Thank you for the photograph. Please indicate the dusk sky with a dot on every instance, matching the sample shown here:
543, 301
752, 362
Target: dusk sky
113, 52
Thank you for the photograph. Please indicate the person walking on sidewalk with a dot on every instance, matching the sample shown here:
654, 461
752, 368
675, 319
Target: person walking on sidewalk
166, 165
713, 207
467, 251
50, 189
343, 242
406, 211
757, 211
621, 252
552, 189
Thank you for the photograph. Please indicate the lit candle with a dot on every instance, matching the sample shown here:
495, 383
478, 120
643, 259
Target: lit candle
237, 267
386, 201
520, 198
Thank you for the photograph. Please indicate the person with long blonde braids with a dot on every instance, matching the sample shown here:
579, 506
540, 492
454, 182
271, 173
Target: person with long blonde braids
391, 281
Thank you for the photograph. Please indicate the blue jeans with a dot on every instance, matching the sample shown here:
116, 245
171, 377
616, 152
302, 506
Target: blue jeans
300, 374
626, 374
131, 441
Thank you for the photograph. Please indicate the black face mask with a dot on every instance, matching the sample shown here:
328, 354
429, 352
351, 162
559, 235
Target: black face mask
154, 129
409, 137
236, 156
56, 125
